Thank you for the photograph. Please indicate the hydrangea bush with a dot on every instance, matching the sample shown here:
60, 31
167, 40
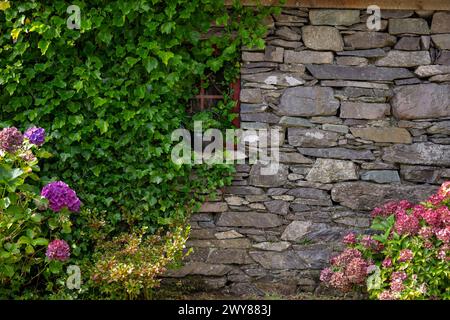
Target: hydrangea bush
31, 221
407, 257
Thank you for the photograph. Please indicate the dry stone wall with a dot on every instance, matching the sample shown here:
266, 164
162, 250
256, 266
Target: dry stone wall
366, 119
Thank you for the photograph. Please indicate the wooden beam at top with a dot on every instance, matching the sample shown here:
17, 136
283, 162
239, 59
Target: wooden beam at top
356, 4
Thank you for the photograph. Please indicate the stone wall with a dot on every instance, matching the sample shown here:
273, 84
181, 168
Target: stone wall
366, 119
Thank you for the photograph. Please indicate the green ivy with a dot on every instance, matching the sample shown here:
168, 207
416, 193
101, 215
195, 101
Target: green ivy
111, 93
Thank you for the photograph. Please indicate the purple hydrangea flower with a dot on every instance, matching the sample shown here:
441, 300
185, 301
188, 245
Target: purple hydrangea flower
58, 250
35, 135
10, 139
60, 195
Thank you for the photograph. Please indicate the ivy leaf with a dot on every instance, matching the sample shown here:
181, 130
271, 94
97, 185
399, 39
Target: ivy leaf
165, 56
4, 5
150, 64
43, 45
102, 125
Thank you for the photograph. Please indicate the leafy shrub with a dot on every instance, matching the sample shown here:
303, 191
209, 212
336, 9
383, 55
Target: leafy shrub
408, 258
112, 93
32, 249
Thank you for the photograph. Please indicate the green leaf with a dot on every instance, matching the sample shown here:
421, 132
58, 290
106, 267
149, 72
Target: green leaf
150, 64
40, 242
43, 45
102, 125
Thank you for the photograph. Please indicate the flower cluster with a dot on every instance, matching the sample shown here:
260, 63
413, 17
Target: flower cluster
409, 239
10, 139
58, 250
35, 135
347, 269
60, 195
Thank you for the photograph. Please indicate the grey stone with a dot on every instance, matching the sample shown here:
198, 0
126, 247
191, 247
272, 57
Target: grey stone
274, 54
290, 19
293, 157
357, 84
352, 219
442, 127
311, 137
419, 153
308, 56
387, 134
396, 58
274, 78
252, 108
424, 101
322, 38
408, 43
279, 260
338, 153
232, 234
431, 70
212, 243
441, 22
296, 68
335, 128
296, 230
323, 120
214, 207
333, 17
295, 122
201, 234
199, 268
361, 110
352, 61
444, 58
252, 56
411, 25
229, 256
398, 14
308, 101
286, 44
421, 174
277, 206
288, 34
259, 179
330, 170
273, 246
366, 196
371, 53
251, 96
381, 176
368, 73
309, 193
403, 82
377, 166
442, 41
264, 117
238, 190
369, 40
248, 219
440, 78
425, 42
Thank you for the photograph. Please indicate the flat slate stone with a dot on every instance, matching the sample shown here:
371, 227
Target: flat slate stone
295, 122
296, 230
371, 53
391, 134
308, 56
312, 137
408, 44
248, 219
288, 34
397, 58
431, 70
369, 73
357, 84
308, 101
369, 40
251, 96
279, 260
426, 153
257, 178
352, 61
444, 58
381, 176
410, 25
442, 41
333, 17
361, 110
441, 22
275, 78
423, 101
330, 170
338, 153
322, 38
366, 196
273, 246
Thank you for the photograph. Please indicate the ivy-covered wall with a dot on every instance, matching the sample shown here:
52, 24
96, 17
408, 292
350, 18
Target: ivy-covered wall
366, 119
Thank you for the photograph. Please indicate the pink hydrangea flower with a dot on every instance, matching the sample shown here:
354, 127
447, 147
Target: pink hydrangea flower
426, 232
405, 255
387, 262
356, 271
386, 295
345, 257
444, 190
432, 217
443, 235
325, 275
406, 224
339, 281
58, 250
349, 239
